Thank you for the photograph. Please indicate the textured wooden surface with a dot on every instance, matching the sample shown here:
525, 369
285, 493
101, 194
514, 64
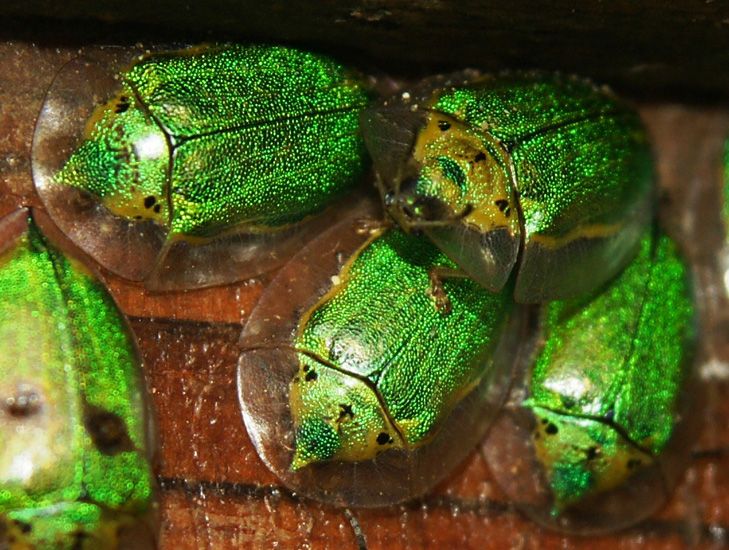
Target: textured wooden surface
213, 490
681, 46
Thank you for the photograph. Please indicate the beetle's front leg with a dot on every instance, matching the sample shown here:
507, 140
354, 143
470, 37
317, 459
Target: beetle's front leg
437, 290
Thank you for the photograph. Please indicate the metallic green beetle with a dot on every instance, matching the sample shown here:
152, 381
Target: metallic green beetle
74, 469
359, 385
542, 170
199, 143
597, 437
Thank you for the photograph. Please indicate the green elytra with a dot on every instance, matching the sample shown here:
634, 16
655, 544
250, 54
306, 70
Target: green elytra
74, 464
543, 169
216, 138
607, 389
381, 362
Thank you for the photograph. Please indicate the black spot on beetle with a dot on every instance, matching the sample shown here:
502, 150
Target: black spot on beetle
467, 210
610, 415
157, 208
568, 402
137, 217
592, 453
122, 105
306, 368
551, 429
444, 125
311, 376
480, 157
383, 438
345, 410
107, 430
503, 205
24, 527
149, 201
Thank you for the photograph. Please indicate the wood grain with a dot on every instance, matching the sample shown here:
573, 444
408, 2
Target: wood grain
677, 47
214, 492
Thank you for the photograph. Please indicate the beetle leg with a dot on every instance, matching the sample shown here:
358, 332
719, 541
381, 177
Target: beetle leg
444, 222
437, 290
371, 226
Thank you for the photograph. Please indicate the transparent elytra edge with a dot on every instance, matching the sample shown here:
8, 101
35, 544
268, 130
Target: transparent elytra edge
512, 454
140, 250
268, 364
120, 528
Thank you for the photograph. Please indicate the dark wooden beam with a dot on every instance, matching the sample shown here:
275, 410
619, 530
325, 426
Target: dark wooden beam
648, 47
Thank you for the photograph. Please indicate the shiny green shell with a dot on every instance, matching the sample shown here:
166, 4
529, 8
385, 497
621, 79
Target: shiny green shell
383, 375
543, 169
381, 363
607, 396
202, 143
210, 138
74, 470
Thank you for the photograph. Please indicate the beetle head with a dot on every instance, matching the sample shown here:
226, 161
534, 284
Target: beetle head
420, 202
417, 188
123, 161
337, 417
442, 175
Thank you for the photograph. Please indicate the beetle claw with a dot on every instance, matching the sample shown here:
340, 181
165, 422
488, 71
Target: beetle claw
438, 292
